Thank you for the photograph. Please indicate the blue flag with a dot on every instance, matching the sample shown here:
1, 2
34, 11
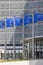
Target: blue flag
38, 17
27, 19
9, 22
2, 24
18, 21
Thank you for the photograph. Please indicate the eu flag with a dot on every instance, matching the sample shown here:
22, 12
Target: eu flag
2, 24
9, 22
38, 17
18, 21
27, 19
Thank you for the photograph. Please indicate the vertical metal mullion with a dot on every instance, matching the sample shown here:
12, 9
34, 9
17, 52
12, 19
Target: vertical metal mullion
9, 8
36, 49
29, 46
39, 48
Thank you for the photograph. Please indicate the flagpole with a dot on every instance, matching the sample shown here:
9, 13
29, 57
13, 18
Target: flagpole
32, 34
13, 35
23, 34
14, 42
5, 41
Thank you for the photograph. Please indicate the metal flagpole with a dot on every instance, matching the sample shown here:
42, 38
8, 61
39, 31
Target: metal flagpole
9, 16
13, 35
14, 41
5, 41
23, 33
5, 33
32, 34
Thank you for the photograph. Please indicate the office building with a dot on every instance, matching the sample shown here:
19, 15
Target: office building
21, 41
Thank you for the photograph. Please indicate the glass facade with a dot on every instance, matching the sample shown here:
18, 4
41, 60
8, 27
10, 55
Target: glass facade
17, 42
34, 32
